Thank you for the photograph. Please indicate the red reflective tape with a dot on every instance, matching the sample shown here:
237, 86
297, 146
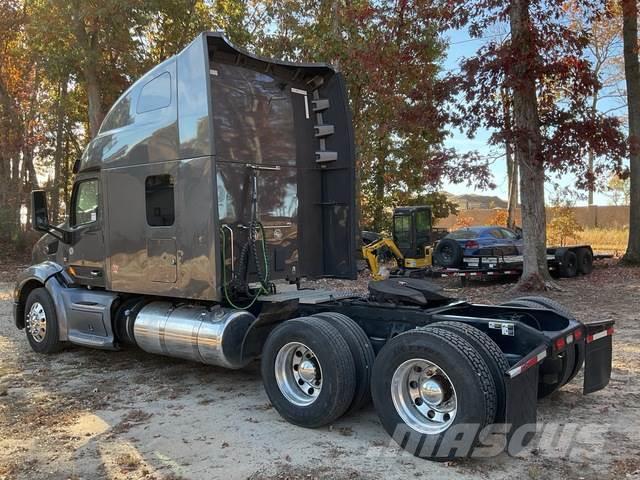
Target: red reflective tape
532, 362
597, 336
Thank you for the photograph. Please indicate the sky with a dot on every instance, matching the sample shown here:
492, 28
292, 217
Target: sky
461, 46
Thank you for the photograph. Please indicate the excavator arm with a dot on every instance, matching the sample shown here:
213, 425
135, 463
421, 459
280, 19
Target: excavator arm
370, 254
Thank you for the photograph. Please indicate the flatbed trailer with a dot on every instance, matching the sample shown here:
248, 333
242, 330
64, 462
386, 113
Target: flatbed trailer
566, 261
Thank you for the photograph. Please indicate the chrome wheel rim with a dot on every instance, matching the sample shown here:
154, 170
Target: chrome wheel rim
424, 396
298, 374
37, 322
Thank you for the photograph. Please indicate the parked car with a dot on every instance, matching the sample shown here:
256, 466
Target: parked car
491, 240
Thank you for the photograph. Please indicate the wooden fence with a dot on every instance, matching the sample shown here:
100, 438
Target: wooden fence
588, 217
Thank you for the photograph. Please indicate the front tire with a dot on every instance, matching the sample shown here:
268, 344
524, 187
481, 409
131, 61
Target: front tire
308, 372
428, 382
41, 322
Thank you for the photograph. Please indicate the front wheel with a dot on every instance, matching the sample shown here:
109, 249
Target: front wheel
41, 322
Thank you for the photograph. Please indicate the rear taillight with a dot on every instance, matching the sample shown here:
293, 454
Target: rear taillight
577, 335
560, 343
471, 244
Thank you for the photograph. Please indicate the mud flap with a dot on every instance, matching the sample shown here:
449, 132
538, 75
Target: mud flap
521, 383
598, 354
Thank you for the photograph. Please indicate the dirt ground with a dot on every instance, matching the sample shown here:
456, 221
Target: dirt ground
93, 414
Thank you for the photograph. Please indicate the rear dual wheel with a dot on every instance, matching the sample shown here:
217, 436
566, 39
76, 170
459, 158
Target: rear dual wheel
316, 369
361, 352
429, 382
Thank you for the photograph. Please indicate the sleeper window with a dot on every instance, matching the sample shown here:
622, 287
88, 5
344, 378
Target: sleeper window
159, 199
155, 94
119, 115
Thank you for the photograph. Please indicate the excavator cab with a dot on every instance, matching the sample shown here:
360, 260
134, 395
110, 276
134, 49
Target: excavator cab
411, 242
412, 230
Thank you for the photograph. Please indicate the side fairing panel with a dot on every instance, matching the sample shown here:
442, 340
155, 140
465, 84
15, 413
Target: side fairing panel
176, 260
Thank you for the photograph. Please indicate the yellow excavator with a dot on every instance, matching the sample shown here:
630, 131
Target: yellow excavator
411, 243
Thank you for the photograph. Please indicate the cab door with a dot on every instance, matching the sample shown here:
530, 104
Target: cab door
85, 255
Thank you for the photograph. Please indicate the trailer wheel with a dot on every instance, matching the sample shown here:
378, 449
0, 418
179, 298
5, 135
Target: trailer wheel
361, 351
41, 322
492, 355
308, 372
427, 381
568, 264
584, 259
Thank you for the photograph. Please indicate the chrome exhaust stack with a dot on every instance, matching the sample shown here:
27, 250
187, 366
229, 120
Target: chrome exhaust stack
208, 335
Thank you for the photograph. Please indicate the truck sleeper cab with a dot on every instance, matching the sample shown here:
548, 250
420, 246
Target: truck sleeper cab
216, 182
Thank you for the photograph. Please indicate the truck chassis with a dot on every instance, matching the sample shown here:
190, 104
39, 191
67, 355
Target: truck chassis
429, 362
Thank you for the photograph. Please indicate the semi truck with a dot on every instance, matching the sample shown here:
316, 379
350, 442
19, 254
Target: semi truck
216, 183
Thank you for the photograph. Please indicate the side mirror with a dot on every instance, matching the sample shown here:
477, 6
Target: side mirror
40, 218
39, 211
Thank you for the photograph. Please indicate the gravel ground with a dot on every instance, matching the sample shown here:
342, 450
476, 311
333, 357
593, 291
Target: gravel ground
91, 414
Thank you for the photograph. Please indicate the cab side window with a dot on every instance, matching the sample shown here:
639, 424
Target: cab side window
85, 203
155, 94
160, 200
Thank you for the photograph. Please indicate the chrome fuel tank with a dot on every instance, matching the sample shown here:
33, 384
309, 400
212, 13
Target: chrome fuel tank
193, 332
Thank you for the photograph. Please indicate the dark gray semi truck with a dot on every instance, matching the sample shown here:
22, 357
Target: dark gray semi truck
217, 182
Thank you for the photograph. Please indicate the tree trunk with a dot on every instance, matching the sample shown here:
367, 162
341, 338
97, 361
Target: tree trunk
632, 76
378, 210
512, 165
59, 152
512, 176
88, 44
535, 274
591, 155
94, 98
